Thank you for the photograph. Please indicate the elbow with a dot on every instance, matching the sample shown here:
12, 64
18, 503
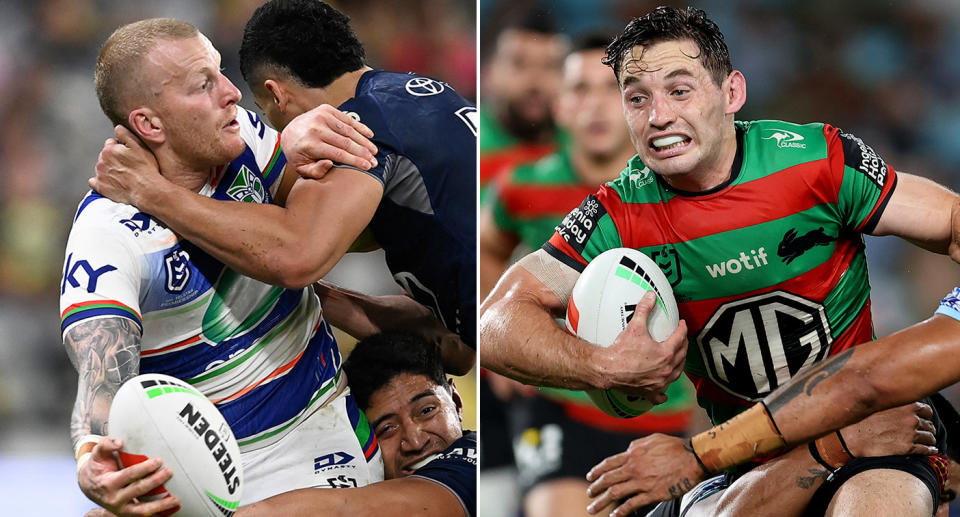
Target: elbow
296, 272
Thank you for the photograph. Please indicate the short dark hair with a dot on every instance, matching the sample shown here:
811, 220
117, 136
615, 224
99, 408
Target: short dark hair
377, 359
670, 24
306, 39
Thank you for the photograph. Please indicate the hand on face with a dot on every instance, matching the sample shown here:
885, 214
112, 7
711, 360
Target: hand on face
316, 139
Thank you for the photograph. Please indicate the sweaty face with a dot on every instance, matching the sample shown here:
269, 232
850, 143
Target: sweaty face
413, 419
195, 104
524, 75
677, 115
589, 107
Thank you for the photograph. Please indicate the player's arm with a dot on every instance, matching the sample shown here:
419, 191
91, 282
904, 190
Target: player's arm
923, 212
106, 352
903, 367
402, 496
495, 247
361, 315
520, 339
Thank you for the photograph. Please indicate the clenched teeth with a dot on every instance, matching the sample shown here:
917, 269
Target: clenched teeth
667, 141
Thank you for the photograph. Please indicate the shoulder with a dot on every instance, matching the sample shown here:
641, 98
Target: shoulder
99, 214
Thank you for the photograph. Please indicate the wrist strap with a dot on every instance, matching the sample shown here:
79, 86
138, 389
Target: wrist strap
85, 445
831, 451
750, 434
697, 457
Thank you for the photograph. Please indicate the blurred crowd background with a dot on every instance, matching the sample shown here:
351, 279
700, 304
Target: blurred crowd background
886, 71
51, 130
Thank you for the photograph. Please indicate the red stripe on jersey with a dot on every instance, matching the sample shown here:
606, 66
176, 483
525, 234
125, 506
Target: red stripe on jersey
815, 285
672, 422
541, 200
564, 247
785, 193
707, 389
496, 162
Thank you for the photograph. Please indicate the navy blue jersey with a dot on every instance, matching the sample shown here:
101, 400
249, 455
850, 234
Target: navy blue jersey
456, 469
426, 223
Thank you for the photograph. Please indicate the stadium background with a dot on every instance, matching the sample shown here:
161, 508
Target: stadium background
51, 132
885, 71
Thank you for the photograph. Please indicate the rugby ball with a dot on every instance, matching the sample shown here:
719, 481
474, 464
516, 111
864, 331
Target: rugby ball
603, 302
159, 415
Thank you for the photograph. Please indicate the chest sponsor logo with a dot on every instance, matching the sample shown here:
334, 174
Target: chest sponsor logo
756, 259
177, 265
786, 139
792, 246
246, 187
424, 87
861, 157
751, 347
580, 223
326, 462
74, 272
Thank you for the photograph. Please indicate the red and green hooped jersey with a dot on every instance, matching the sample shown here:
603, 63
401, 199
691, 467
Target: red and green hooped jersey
768, 268
499, 151
528, 202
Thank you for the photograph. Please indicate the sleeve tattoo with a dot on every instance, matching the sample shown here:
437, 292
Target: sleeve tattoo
105, 352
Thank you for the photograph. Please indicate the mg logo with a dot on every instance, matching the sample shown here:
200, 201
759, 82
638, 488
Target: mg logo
751, 347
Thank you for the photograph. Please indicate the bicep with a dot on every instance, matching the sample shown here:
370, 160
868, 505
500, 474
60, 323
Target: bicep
919, 210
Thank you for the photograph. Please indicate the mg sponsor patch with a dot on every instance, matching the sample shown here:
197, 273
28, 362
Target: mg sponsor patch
580, 223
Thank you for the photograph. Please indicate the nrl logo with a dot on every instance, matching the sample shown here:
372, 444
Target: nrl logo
786, 138
246, 187
669, 262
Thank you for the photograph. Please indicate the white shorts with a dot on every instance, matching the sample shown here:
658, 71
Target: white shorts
324, 451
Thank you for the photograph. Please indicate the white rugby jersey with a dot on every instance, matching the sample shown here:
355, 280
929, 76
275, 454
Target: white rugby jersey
263, 354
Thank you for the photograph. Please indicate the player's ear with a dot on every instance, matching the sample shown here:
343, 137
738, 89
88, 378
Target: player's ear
457, 401
735, 89
147, 125
280, 94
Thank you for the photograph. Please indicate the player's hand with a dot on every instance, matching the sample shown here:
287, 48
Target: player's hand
636, 363
125, 169
117, 489
654, 468
901, 430
316, 139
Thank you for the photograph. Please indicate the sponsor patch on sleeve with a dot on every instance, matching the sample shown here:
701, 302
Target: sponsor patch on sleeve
580, 223
861, 157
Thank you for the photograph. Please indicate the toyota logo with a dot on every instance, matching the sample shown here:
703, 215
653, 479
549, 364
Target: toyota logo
424, 87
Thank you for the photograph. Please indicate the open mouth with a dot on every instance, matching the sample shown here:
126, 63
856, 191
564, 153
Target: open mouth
233, 124
412, 467
669, 142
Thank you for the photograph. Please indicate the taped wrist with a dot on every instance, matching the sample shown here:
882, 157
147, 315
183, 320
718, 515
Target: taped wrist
742, 438
85, 445
831, 451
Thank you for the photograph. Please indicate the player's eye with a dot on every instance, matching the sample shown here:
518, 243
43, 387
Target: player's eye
385, 430
680, 92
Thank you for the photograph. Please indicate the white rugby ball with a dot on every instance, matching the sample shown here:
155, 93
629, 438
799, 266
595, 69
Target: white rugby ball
160, 415
603, 302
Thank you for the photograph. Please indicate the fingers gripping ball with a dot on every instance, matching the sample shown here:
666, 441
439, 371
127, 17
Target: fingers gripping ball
158, 415
603, 302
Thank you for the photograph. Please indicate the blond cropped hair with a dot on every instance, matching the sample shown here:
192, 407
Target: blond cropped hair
117, 77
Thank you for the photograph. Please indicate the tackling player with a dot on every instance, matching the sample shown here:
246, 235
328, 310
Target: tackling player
526, 204
430, 463
757, 224
418, 199
137, 298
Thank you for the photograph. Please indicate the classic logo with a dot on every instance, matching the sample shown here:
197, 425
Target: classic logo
178, 270
329, 461
424, 87
792, 246
93, 274
752, 346
786, 139
246, 187
669, 262
640, 178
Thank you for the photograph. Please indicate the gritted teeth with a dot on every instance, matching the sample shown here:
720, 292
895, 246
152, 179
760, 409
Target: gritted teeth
666, 141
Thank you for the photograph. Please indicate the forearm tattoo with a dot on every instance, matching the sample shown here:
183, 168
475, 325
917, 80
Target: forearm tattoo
804, 383
806, 482
105, 352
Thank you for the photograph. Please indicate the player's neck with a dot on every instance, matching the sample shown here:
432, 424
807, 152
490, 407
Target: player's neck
186, 175
596, 169
341, 90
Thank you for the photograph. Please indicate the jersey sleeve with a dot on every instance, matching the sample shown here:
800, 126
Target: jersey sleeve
587, 230
950, 304
866, 182
101, 274
456, 469
264, 142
